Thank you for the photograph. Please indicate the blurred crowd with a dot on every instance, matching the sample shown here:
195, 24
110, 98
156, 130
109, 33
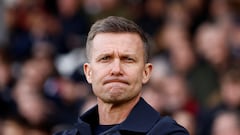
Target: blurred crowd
195, 49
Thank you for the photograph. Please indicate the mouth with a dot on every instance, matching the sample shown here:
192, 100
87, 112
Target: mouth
115, 81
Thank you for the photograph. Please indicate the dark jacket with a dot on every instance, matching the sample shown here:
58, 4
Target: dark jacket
142, 120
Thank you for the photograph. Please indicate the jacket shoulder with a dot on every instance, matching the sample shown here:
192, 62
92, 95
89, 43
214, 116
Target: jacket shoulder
80, 128
167, 126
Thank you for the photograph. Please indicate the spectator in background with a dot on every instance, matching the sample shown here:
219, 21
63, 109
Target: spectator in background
176, 14
229, 97
155, 97
187, 120
21, 18
211, 44
226, 123
33, 73
70, 39
72, 94
234, 40
74, 25
218, 9
11, 126
174, 42
16, 126
230, 89
179, 96
97, 9
30, 104
211, 48
153, 14
7, 82
153, 91
197, 11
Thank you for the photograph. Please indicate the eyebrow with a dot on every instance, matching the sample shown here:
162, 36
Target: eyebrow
111, 54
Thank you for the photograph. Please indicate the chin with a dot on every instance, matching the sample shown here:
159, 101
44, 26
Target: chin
118, 99
114, 100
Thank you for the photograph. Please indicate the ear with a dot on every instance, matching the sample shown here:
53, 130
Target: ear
147, 72
87, 72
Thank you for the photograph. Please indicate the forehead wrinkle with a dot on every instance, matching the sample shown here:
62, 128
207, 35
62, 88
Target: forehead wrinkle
119, 37
120, 53
121, 41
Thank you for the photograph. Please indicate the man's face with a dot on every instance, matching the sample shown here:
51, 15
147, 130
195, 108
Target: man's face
116, 68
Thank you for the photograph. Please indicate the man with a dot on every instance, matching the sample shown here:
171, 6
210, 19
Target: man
117, 53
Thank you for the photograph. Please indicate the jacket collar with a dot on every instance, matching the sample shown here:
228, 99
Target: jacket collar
141, 118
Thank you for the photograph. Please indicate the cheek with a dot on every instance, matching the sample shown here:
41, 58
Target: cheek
134, 72
98, 74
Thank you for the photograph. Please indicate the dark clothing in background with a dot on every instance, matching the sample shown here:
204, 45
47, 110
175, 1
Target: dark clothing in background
142, 120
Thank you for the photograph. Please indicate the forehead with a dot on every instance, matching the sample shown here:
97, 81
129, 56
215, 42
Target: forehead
126, 42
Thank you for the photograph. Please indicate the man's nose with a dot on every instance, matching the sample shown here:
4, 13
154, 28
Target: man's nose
116, 68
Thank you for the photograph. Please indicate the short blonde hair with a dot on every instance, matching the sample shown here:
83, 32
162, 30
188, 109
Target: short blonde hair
114, 24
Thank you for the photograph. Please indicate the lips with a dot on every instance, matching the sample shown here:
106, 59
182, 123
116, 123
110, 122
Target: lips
115, 80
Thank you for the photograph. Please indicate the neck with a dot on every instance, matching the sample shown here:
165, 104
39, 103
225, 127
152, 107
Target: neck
110, 113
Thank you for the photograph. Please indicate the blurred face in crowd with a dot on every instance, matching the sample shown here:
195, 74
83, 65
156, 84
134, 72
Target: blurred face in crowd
116, 67
154, 8
211, 44
230, 93
175, 90
226, 124
67, 7
187, 120
30, 104
12, 127
182, 59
